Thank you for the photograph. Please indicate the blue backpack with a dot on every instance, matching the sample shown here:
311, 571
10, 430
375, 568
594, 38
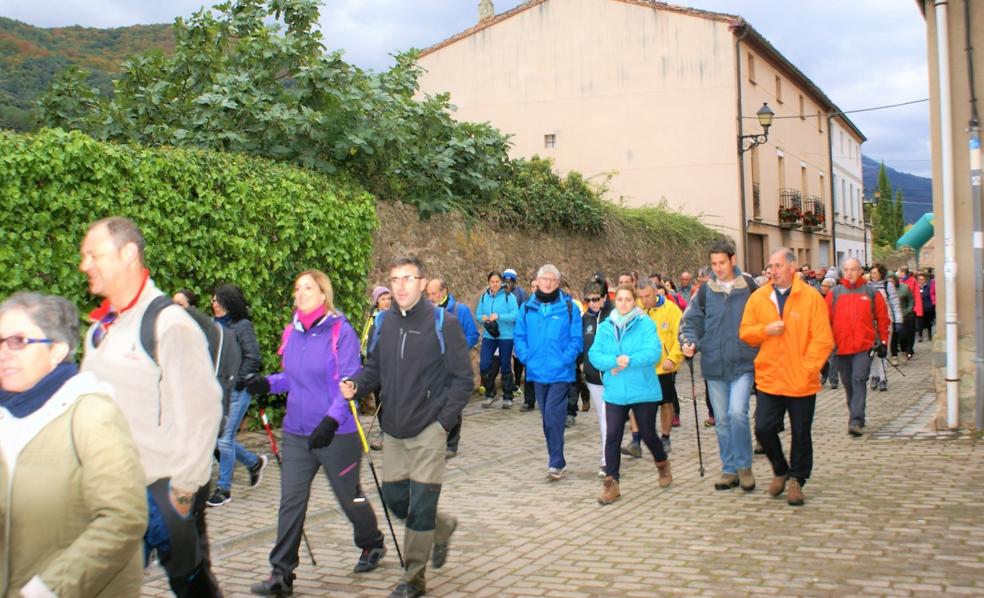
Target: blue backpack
377, 325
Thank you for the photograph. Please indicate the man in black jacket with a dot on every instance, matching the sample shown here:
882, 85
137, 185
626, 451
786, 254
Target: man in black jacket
420, 361
598, 308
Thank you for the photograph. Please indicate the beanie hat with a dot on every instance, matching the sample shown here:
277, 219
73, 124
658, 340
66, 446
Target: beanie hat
379, 292
509, 274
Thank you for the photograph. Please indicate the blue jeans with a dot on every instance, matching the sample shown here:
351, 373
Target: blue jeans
730, 400
553, 405
231, 451
487, 366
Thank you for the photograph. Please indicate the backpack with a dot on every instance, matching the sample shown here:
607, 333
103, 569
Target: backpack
870, 292
702, 294
222, 348
377, 325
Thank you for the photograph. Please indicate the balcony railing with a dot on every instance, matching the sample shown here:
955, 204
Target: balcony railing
756, 201
790, 208
814, 213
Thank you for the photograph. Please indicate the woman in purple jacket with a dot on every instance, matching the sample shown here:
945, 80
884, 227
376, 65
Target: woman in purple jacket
320, 349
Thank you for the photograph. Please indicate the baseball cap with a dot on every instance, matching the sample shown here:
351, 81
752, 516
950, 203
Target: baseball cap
509, 274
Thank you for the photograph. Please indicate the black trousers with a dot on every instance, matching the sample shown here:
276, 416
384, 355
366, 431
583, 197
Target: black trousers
769, 413
615, 418
925, 322
667, 384
905, 338
181, 543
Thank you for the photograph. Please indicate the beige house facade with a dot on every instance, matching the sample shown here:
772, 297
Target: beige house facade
952, 27
647, 97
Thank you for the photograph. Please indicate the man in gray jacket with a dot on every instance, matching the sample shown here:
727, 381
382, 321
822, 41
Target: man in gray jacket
710, 325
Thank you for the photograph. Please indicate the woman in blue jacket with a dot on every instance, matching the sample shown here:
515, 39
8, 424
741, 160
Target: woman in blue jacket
625, 351
497, 309
319, 349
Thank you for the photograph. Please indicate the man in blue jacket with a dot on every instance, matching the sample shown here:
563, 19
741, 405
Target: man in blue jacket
439, 295
548, 340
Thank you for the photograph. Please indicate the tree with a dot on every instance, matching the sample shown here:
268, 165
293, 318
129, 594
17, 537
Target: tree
883, 222
898, 213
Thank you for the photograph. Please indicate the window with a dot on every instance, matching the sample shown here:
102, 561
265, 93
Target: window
803, 180
854, 214
550, 141
843, 200
782, 172
823, 194
779, 89
751, 68
802, 108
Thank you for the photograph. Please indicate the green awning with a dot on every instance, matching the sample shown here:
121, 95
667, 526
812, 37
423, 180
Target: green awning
919, 234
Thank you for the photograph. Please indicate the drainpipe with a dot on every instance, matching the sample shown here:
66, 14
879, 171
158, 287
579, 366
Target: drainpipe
946, 183
741, 157
974, 146
833, 189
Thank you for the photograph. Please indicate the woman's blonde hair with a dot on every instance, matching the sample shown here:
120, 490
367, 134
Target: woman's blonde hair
324, 283
629, 288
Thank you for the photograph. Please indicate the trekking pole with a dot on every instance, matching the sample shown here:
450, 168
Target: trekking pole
372, 468
693, 394
276, 454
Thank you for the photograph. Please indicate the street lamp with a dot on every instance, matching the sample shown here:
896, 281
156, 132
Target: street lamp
764, 115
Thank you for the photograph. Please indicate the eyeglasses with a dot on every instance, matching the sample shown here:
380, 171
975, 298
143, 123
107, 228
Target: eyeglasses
592, 299
18, 343
403, 280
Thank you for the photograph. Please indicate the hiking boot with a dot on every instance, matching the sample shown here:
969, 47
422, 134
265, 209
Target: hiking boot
406, 590
488, 402
275, 585
439, 555
526, 407
855, 430
727, 481
369, 559
256, 471
882, 385
746, 479
555, 473
507, 403
450, 454
667, 445
676, 421
633, 449
609, 492
709, 422
665, 476
794, 494
778, 485
219, 498
570, 421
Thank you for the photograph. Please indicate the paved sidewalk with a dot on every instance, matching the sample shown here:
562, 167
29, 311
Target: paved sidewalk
898, 512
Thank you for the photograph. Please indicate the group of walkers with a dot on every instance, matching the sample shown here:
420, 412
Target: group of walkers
109, 463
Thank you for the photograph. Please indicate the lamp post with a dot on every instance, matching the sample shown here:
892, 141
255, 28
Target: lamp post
747, 142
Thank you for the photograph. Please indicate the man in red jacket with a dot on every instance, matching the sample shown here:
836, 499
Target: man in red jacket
859, 318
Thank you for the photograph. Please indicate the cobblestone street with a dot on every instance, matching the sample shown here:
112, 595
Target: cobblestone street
897, 512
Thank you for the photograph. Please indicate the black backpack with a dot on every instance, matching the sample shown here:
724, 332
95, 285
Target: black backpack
223, 347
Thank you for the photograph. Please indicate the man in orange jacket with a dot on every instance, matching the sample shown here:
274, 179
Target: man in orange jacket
789, 322
859, 319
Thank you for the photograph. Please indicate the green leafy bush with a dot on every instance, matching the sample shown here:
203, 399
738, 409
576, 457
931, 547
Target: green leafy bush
208, 217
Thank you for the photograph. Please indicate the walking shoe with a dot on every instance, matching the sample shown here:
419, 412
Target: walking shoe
794, 494
488, 402
369, 559
275, 585
893, 360
585, 405
855, 430
874, 383
676, 421
665, 476
882, 385
908, 357
555, 473
570, 421
667, 445
256, 471
833, 386
219, 498
778, 485
609, 491
709, 422
759, 449
526, 407
376, 444
406, 590
727, 481
601, 472
507, 403
450, 454
633, 449
439, 555
746, 479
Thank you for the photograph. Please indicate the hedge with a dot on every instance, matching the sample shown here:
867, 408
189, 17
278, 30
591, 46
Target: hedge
208, 218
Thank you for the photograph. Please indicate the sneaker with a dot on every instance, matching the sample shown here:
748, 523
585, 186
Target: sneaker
882, 385
609, 491
439, 555
893, 360
376, 444
778, 485
665, 475
406, 590
794, 494
256, 471
666, 444
746, 479
571, 420
855, 430
759, 449
450, 454
727, 481
219, 498
601, 473
555, 473
488, 402
709, 422
633, 449
526, 407
275, 585
908, 356
874, 383
507, 403
833, 386
369, 559
676, 421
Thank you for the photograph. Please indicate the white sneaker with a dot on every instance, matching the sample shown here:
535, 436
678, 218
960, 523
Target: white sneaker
601, 473
555, 473
488, 402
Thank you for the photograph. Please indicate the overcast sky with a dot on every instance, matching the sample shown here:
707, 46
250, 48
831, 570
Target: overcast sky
862, 53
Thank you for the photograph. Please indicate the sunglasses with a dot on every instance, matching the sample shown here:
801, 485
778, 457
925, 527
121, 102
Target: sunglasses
18, 343
592, 299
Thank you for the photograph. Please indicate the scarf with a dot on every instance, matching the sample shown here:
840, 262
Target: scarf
622, 322
225, 320
22, 404
548, 297
309, 319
